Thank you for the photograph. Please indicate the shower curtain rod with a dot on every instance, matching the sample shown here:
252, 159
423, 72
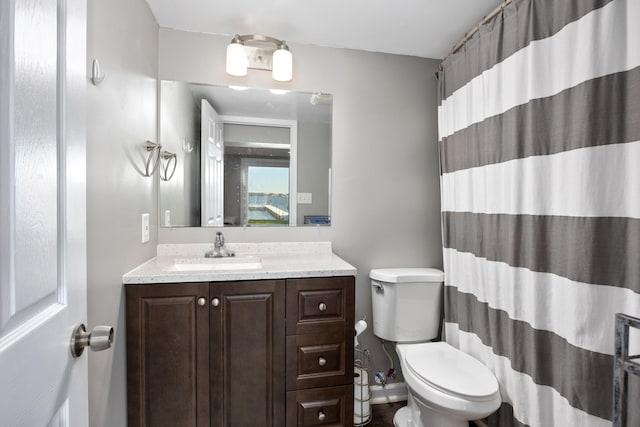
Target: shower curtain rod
475, 29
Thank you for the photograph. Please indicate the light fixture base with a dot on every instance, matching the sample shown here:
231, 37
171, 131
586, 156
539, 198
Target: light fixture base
259, 58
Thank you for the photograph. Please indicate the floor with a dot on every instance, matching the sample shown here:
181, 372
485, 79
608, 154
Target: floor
382, 415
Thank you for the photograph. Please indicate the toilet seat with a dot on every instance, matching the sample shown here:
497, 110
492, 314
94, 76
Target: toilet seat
453, 398
451, 371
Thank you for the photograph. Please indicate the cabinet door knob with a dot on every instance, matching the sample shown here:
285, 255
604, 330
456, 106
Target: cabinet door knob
215, 302
322, 306
202, 301
321, 416
322, 361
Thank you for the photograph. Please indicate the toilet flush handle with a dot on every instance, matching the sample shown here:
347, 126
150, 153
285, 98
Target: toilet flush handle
379, 287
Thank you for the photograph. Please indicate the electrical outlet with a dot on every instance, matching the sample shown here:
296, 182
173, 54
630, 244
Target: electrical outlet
304, 198
167, 218
145, 227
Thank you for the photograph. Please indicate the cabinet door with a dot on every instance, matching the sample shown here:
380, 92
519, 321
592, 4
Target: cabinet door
247, 353
168, 354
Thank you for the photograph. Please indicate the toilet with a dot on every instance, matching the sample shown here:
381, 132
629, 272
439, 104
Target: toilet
446, 387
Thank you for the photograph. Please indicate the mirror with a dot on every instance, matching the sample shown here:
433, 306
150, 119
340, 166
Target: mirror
244, 157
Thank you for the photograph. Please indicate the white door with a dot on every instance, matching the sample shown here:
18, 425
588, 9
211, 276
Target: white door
212, 169
42, 211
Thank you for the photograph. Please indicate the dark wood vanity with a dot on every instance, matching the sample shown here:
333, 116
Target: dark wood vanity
243, 353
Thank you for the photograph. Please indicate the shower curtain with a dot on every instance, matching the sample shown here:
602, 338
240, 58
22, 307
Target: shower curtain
539, 138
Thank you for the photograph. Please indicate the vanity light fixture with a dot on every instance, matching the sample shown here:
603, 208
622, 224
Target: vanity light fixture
262, 53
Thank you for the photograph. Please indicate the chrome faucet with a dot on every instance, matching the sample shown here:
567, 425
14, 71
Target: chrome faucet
219, 250
218, 246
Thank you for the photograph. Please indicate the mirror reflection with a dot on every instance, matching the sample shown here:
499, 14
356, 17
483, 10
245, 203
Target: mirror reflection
245, 157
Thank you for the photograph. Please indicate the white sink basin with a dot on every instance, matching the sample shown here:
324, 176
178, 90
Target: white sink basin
217, 264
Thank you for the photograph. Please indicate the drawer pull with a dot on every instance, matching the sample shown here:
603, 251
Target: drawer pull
215, 302
202, 301
322, 306
322, 361
321, 416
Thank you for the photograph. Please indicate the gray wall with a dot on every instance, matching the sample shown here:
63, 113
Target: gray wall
180, 124
314, 162
386, 200
121, 116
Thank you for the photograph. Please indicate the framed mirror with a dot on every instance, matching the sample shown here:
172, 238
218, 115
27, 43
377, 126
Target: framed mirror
244, 157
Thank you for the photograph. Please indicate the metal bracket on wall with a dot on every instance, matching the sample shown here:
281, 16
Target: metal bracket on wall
623, 365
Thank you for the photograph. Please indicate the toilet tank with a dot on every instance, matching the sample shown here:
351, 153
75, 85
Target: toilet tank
406, 303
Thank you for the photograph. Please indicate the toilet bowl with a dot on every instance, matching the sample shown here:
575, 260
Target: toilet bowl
446, 387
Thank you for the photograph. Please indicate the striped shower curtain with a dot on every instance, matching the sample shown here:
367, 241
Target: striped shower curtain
539, 133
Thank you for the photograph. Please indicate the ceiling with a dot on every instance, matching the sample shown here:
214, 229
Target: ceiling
425, 28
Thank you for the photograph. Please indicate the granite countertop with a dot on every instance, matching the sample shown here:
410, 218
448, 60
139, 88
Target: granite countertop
253, 261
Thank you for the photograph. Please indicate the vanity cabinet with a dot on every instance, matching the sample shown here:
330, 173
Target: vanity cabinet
245, 353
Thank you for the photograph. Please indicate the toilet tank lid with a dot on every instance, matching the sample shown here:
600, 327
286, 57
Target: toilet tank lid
406, 275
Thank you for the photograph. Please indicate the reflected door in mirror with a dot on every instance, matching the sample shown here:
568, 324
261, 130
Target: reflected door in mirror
212, 166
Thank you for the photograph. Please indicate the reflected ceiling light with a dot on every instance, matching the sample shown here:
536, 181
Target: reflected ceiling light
279, 91
262, 53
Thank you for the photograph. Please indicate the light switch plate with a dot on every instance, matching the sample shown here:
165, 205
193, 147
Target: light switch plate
145, 227
167, 218
304, 198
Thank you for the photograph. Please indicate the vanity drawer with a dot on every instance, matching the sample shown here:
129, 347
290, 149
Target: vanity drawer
319, 303
319, 360
320, 407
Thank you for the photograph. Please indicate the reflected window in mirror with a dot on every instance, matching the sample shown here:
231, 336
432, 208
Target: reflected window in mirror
267, 192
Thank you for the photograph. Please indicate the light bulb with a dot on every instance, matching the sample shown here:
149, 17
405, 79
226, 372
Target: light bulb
282, 65
236, 60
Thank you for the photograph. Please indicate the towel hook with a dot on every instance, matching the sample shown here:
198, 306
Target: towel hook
96, 76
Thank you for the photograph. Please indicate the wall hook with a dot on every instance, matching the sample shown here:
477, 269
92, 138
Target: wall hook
96, 78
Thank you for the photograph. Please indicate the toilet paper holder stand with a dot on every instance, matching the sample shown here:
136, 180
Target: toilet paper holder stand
361, 392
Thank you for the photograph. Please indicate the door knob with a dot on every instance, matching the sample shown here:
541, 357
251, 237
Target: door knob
100, 338
215, 302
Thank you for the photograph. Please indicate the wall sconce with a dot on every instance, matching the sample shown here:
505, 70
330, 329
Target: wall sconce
261, 53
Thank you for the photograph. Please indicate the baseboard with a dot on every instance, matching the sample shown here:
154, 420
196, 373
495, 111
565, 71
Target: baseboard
394, 392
